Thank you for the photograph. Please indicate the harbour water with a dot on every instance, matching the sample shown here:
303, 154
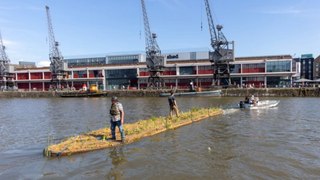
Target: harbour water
271, 143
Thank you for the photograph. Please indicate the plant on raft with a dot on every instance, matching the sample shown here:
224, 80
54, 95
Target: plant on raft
134, 131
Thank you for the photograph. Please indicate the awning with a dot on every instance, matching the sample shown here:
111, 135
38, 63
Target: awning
302, 80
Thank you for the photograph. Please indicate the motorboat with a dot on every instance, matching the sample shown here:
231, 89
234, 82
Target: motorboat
259, 104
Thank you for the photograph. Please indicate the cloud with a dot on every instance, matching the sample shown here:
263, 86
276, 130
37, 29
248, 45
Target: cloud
43, 63
9, 43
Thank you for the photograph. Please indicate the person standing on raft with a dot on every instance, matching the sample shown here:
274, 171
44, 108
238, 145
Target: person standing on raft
117, 118
173, 104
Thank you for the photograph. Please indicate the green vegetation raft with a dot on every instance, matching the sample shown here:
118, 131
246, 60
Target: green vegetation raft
98, 139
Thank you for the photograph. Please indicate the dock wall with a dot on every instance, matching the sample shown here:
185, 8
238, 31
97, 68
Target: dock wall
236, 92
273, 92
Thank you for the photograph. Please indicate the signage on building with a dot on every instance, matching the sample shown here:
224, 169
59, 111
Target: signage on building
173, 56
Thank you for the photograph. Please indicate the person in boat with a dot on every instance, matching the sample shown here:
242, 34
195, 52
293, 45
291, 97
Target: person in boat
191, 87
173, 104
117, 118
246, 100
252, 100
256, 99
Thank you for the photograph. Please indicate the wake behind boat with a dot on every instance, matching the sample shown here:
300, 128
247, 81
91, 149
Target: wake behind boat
259, 104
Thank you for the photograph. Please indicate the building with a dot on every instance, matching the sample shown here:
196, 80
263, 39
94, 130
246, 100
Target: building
296, 67
307, 66
27, 64
86, 61
117, 71
316, 68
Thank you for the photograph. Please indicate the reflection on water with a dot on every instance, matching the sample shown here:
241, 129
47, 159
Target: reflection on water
273, 143
117, 158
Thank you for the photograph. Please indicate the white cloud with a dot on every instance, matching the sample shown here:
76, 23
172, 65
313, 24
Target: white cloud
43, 63
9, 43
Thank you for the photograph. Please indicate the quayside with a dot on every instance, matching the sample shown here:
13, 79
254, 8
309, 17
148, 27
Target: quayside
98, 139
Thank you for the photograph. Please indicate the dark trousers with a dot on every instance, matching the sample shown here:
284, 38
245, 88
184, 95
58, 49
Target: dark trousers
113, 129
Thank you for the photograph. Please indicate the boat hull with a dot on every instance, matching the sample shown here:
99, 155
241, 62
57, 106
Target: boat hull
259, 105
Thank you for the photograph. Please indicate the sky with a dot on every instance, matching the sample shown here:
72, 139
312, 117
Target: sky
90, 27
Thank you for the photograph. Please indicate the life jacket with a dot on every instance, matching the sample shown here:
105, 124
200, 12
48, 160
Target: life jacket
171, 100
114, 110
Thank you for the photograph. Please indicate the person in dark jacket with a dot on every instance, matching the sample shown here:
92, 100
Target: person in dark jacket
173, 104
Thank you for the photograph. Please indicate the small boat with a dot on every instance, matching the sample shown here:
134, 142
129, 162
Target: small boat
259, 104
202, 93
91, 92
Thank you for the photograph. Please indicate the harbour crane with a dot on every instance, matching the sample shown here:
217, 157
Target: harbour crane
57, 65
223, 52
154, 60
5, 76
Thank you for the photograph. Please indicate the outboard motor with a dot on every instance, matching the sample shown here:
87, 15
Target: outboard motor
241, 104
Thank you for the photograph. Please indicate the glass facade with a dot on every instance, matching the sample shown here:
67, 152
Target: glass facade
187, 70
279, 81
128, 59
170, 83
279, 66
236, 68
236, 81
294, 64
253, 68
121, 78
80, 74
94, 61
253, 81
95, 73
193, 55
307, 68
169, 71
205, 70
316, 74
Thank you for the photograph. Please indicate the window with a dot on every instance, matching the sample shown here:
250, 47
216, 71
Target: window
86, 61
253, 68
278, 66
236, 68
187, 70
121, 73
133, 59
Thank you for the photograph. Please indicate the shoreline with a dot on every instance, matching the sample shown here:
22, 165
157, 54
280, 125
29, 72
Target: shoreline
230, 92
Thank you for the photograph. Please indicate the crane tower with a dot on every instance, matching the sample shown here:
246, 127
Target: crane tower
57, 64
154, 60
6, 78
223, 52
